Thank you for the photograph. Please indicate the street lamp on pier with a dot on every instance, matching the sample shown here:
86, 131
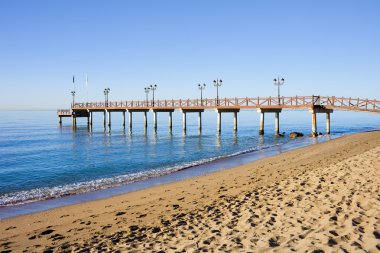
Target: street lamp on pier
147, 89
73, 94
278, 82
217, 84
202, 87
153, 87
106, 92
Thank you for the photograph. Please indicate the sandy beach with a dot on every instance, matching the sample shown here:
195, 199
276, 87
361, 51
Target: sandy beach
321, 198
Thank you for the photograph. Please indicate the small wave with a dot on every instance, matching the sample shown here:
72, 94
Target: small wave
44, 193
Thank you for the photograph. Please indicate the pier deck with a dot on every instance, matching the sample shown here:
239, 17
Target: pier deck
315, 104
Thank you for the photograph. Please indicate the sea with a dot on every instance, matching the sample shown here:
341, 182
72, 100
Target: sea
44, 164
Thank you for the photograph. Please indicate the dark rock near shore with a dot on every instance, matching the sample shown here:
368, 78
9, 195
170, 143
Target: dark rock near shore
295, 134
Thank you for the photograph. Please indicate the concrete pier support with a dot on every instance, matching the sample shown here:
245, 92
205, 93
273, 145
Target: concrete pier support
105, 118
109, 118
199, 121
219, 128
130, 120
235, 121
319, 109
123, 119
225, 110
262, 112
60, 120
184, 121
170, 121
277, 124
327, 122
91, 119
262, 118
191, 110
169, 110
74, 121
314, 124
145, 120
155, 120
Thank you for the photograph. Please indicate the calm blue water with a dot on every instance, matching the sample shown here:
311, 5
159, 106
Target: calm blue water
41, 160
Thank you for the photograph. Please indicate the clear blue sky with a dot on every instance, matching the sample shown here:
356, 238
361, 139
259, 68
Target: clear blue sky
319, 47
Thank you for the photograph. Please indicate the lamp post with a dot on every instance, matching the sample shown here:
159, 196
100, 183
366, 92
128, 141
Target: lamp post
147, 89
73, 94
217, 84
106, 92
278, 82
153, 87
202, 87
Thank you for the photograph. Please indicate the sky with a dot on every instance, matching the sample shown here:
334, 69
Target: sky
320, 47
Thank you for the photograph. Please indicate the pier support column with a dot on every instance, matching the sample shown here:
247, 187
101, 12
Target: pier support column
262, 112
184, 121
74, 121
123, 119
155, 121
199, 121
319, 109
105, 118
235, 121
109, 118
130, 120
170, 121
145, 120
261, 129
277, 124
314, 124
60, 120
219, 128
327, 122
91, 119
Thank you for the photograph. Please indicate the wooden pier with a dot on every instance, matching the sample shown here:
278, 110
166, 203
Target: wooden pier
314, 104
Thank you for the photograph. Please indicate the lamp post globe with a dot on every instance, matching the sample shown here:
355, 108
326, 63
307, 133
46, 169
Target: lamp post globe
106, 92
147, 89
217, 84
73, 94
202, 87
278, 82
153, 87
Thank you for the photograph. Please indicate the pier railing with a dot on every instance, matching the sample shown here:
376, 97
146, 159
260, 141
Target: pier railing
342, 103
64, 112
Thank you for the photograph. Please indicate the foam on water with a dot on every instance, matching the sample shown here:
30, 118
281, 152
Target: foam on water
45, 193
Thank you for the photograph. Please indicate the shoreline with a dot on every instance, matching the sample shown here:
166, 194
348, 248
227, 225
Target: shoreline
319, 197
216, 164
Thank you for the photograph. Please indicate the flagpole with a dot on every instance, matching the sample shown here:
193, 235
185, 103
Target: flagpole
87, 88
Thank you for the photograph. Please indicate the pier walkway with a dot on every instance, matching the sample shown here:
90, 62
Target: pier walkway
314, 104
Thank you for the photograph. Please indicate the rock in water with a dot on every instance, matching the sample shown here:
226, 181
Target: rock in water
295, 134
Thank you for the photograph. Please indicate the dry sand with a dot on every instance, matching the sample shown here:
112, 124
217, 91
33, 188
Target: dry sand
321, 198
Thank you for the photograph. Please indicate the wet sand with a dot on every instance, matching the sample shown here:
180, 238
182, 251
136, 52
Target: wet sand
321, 198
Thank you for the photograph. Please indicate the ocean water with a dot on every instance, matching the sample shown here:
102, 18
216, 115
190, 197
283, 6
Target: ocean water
39, 159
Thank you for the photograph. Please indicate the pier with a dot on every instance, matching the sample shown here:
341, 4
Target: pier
263, 105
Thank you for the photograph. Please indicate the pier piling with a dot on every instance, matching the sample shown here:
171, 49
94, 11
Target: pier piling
130, 120
277, 123
123, 119
199, 121
184, 121
327, 122
235, 121
170, 121
155, 120
109, 118
261, 130
145, 120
